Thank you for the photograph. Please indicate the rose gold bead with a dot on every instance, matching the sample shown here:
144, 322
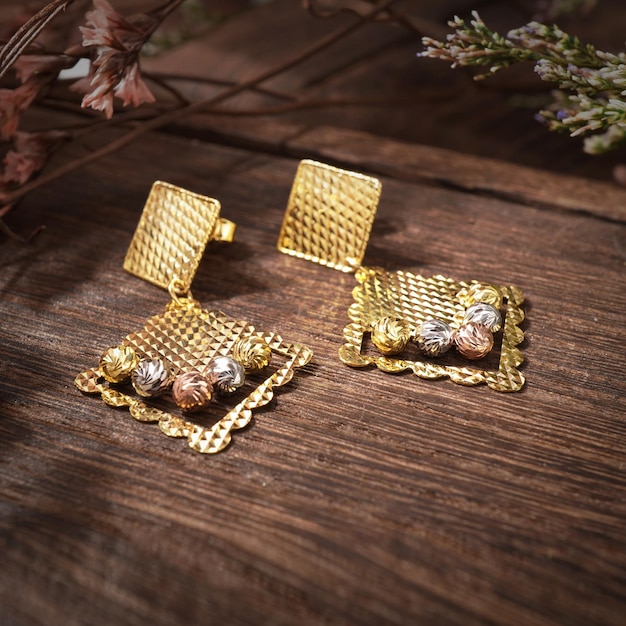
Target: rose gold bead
192, 391
473, 341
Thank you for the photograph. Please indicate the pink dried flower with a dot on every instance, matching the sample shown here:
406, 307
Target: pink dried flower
115, 69
13, 102
106, 27
131, 89
30, 65
30, 153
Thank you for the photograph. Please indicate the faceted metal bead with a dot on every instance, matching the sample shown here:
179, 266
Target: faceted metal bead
192, 391
434, 337
253, 353
485, 314
479, 292
151, 378
117, 363
390, 335
225, 374
473, 340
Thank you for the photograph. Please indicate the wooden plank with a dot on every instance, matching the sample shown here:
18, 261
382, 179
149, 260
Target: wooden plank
357, 496
420, 101
468, 172
415, 163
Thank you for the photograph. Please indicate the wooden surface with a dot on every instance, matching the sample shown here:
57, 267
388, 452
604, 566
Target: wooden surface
357, 497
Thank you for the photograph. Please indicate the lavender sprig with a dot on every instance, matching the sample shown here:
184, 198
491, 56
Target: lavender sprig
595, 80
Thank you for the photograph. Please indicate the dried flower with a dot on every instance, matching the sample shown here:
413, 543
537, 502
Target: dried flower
13, 102
30, 153
34, 65
595, 79
115, 68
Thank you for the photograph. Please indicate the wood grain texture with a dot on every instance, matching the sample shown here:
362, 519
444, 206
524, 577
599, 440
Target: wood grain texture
414, 162
356, 497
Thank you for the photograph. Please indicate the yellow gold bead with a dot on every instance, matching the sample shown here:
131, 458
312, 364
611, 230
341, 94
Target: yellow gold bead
479, 292
118, 363
390, 335
253, 353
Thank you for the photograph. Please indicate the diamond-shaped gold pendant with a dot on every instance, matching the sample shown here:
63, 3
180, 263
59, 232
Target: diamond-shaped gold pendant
172, 233
185, 337
329, 215
415, 299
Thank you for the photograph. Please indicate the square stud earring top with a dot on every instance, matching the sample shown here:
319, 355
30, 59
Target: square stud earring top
329, 215
172, 233
328, 220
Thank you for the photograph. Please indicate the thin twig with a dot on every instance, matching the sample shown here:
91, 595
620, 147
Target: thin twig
183, 78
28, 32
167, 87
161, 13
308, 104
195, 107
10, 233
94, 117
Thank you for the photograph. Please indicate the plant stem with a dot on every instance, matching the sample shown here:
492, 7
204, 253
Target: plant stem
171, 116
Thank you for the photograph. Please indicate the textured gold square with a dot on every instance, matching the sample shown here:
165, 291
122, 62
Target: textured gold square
416, 298
172, 234
186, 337
329, 216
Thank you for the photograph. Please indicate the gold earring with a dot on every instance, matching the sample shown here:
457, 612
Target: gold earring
185, 338
328, 221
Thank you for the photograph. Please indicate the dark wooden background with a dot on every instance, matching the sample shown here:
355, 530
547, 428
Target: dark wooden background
356, 497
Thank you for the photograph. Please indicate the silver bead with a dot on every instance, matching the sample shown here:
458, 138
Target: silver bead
434, 337
150, 378
225, 374
485, 315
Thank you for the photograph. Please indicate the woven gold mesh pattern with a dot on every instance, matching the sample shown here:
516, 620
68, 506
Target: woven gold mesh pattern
415, 298
186, 337
329, 215
172, 233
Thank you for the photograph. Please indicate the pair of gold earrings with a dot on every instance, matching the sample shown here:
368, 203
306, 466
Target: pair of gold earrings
199, 353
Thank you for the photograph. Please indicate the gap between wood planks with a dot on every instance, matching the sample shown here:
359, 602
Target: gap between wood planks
413, 163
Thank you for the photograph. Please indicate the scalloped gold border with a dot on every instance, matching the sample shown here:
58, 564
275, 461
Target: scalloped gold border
167, 336
415, 298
